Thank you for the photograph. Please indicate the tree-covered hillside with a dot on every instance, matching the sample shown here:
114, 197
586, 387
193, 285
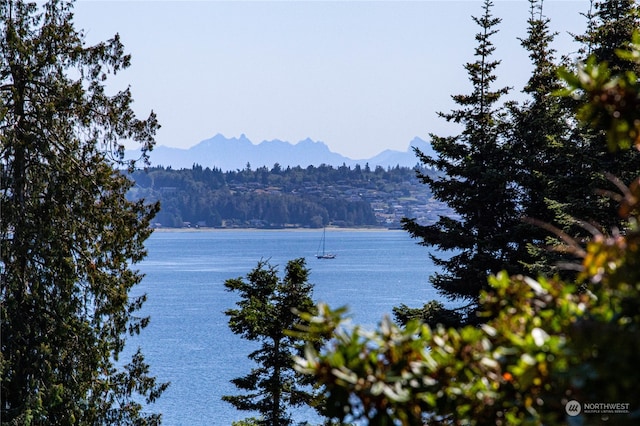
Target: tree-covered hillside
291, 197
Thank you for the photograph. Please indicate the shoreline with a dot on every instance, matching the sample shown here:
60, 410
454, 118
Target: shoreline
332, 229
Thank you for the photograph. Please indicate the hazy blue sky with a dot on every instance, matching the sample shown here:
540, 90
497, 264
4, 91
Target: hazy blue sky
361, 76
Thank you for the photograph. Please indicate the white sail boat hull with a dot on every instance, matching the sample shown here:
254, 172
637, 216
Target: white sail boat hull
326, 256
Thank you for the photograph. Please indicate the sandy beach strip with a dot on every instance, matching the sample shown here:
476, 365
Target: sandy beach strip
314, 230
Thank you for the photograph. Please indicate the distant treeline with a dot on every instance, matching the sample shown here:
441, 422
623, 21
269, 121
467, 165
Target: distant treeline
276, 197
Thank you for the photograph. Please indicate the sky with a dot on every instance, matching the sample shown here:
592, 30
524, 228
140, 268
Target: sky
360, 76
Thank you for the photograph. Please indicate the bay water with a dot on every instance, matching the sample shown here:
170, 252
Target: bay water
188, 341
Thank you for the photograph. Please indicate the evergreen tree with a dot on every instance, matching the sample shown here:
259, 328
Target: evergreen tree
611, 25
540, 129
563, 163
266, 311
69, 237
475, 183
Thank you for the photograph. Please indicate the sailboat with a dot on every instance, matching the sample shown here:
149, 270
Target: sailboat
324, 254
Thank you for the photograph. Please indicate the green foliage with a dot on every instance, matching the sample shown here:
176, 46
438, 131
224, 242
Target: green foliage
266, 311
418, 374
69, 236
609, 103
546, 342
432, 313
252, 421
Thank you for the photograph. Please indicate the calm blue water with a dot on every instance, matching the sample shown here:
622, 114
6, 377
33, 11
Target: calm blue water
188, 342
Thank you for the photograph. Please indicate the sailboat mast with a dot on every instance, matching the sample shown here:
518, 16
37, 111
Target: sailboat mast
323, 242
324, 239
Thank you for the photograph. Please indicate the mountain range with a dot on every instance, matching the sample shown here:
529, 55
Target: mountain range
235, 153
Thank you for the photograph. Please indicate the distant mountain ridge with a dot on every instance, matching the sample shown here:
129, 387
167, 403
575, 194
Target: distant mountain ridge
234, 153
